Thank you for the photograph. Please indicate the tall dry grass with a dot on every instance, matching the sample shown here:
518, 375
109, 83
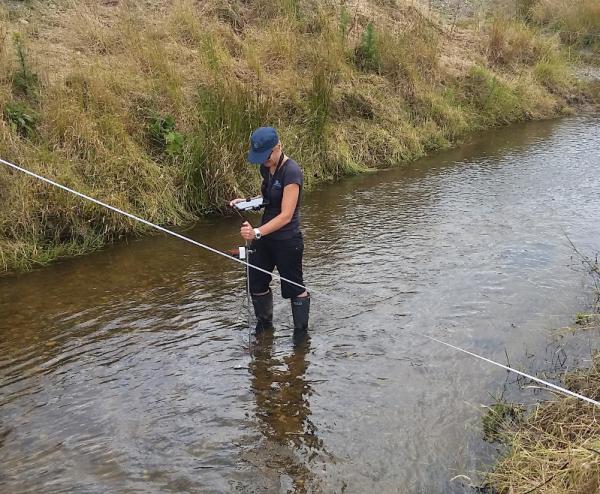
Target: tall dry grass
577, 21
513, 42
556, 448
82, 90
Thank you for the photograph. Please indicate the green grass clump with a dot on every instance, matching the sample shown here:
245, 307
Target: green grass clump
494, 100
216, 169
524, 9
22, 119
553, 75
499, 418
164, 137
320, 103
588, 321
410, 60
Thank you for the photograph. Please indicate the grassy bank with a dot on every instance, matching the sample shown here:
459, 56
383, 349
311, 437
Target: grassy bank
149, 105
577, 23
555, 447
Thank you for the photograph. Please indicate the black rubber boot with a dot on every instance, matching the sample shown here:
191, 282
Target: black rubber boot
263, 309
300, 312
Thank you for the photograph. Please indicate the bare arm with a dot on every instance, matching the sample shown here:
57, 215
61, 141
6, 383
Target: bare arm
291, 192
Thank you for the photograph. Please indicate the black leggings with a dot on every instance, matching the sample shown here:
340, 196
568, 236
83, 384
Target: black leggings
286, 255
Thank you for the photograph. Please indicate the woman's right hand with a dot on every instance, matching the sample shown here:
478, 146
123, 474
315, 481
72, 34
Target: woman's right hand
235, 201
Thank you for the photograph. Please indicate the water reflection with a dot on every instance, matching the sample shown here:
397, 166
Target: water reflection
282, 392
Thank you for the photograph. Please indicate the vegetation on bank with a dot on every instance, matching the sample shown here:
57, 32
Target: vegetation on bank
555, 447
149, 108
577, 23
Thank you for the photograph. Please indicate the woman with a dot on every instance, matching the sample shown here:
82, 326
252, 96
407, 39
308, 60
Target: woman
277, 242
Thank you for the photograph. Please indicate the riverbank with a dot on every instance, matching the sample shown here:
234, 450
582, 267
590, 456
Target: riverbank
149, 108
555, 447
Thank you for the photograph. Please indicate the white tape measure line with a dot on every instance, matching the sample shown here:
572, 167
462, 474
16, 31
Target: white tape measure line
344, 302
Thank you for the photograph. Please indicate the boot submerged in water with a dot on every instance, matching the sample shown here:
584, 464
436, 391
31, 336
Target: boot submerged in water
300, 312
263, 309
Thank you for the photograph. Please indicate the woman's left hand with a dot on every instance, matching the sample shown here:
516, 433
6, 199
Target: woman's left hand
246, 231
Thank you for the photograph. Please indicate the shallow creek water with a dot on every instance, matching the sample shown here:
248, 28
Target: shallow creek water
131, 370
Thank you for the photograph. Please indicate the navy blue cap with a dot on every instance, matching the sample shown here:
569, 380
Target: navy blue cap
262, 142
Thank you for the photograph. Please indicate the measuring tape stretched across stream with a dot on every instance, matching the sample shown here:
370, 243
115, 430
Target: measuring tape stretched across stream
250, 266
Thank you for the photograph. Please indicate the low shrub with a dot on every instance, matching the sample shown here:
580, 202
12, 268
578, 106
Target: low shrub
344, 24
366, 55
163, 136
25, 81
21, 119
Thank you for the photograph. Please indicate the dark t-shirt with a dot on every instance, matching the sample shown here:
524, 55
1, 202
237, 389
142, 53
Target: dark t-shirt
272, 192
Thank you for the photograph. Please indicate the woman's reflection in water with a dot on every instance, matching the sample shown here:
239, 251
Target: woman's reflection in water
282, 393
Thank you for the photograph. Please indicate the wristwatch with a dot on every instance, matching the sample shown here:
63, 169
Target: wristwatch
257, 234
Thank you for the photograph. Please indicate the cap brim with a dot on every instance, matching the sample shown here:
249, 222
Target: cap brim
258, 158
